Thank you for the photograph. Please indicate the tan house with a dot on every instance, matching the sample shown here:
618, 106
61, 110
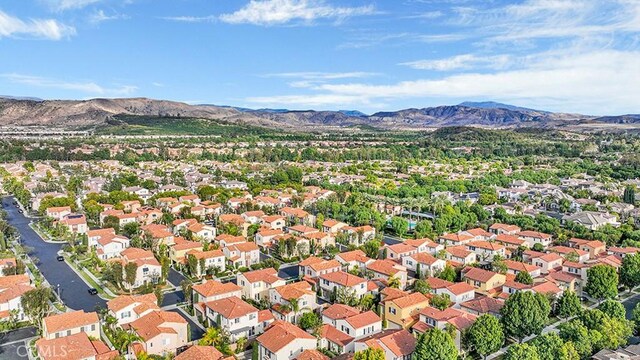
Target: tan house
256, 284
485, 281
128, 308
401, 312
162, 332
71, 323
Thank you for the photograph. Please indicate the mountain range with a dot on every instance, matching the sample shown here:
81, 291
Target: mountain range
93, 113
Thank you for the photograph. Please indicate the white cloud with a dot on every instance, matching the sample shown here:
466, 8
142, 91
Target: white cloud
310, 75
278, 12
85, 87
598, 82
11, 26
191, 19
61, 5
460, 62
100, 16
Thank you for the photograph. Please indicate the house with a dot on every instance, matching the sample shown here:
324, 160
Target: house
297, 216
456, 239
398, 251
300, 230
594, 247
441, 319
161, 332
400, 313
234, 315
265, 237
111, 246
334, 340
127, 308
202, 232
94, 235
212, 290
12, 287
360, 325
511, 242
256, 284
148, 268
284, 341
58, 213
485, 281
387, 269
333, 282
274, 222
332, 226
572, 254
352, 259
158, 234
485, 250
313, 267
71, 323
178, 252
483, 305
75, 223
287, 297
535, 237
505, 229
360, 234
199, 352
547, 262
397, 344
242, 254
77, 346
337, 311
515, 267
209, 261
621, 252
459, 255
592, 220
458, 292
253, 217
425, 245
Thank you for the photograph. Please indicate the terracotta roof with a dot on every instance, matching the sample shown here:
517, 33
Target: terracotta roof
478, 274
484, 305
399, 342
492, 246
268, 275
281, 334
520, 266
151, 325
77, 346
329, 332
231, 308
458, 251
534, 234
312, 355
386, 267
460, 288
198, 352
363, 319
213, 288
343, 278
355, 255
295, 290
123, 301
424, 258
509, 239
410, 300
339, 311
401, 248
70, 320
505, 227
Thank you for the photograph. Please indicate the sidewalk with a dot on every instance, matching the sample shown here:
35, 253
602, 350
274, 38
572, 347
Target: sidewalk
82, 273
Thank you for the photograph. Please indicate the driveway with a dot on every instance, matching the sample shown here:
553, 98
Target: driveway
175, 277
195, 329
73, 289
13, 344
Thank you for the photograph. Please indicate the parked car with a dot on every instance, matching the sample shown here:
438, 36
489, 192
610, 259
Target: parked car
20, 211
60, 258
93, 291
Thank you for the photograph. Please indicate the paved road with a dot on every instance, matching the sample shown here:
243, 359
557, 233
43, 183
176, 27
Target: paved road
629, 305
13, 344
73, 289
175, 278
289, 271
389, 240
196, 330
172, 298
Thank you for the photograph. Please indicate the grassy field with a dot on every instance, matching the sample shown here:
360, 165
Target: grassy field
143, 125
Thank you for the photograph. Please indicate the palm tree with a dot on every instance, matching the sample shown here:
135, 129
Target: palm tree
394, 282
211, 337
124, 340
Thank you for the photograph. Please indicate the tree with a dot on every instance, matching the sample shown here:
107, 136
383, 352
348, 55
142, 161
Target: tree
568, 352
435, 344
448, 273
124, 339
36, 304
525, 313
613, 309
421, 286
630, 271
521, 352
602, 282
186, 287
394, 282
635, 316
548, 346
629, 195
578, 334
159, 295
441, 301
400, 225
423, 229
568, 305
309, 320
130, 272
372, 248
524, 277
111, 222
486, 335
369, 354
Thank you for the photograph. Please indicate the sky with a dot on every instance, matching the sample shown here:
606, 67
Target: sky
577, 56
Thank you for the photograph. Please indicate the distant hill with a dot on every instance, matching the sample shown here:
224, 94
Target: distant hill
106, 112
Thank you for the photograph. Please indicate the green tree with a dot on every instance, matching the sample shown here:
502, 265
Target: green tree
548, 346
435, 344
568, 305
525, 313
400, 225
524, 277
602, 282
423, 229
521, 352
568, 352
441, 301
309, 320
629, 195
448, 273
130, 271
612, 308
372, 248
615, 333
159, 295
369, 354
36, 304
421, 286
578, 334
485, 335
630, 271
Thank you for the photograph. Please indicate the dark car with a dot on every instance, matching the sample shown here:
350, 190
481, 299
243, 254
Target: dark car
20, 211
60, 258
93, 291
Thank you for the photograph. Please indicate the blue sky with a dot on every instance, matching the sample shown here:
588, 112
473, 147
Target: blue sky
560, 55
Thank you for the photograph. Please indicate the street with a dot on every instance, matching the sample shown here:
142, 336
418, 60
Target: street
73, 290
13, 344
